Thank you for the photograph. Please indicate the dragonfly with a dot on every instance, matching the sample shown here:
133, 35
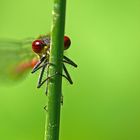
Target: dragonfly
17, 58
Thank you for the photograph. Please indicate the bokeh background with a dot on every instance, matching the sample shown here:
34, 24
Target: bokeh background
104, 102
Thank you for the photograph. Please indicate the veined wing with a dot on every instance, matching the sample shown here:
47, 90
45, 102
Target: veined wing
15, 57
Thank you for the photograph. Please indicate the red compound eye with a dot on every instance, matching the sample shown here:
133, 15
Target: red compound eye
37, 46
67, 42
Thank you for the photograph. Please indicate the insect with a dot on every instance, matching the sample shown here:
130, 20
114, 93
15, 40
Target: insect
18, 58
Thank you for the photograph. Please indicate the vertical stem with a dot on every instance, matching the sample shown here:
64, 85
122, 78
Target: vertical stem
55, 84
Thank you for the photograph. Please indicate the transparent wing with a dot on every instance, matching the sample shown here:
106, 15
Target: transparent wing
14, 56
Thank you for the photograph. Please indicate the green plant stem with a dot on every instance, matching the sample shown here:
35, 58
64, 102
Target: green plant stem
55, 84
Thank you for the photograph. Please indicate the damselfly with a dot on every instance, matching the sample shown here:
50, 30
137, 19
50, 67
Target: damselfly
17, 58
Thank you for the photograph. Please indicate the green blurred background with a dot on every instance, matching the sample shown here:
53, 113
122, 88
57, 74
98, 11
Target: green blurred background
104, 102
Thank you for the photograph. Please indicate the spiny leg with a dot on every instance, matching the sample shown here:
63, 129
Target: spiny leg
67, 74
46, 84
45, 64
69, 61
38, 64
41, 76
40, 82
48, 78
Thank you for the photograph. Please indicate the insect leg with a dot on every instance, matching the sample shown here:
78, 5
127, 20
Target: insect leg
41, 75
38, 64
69, 61
48, 78
46, 85
67, 74
40, 82
46, 63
